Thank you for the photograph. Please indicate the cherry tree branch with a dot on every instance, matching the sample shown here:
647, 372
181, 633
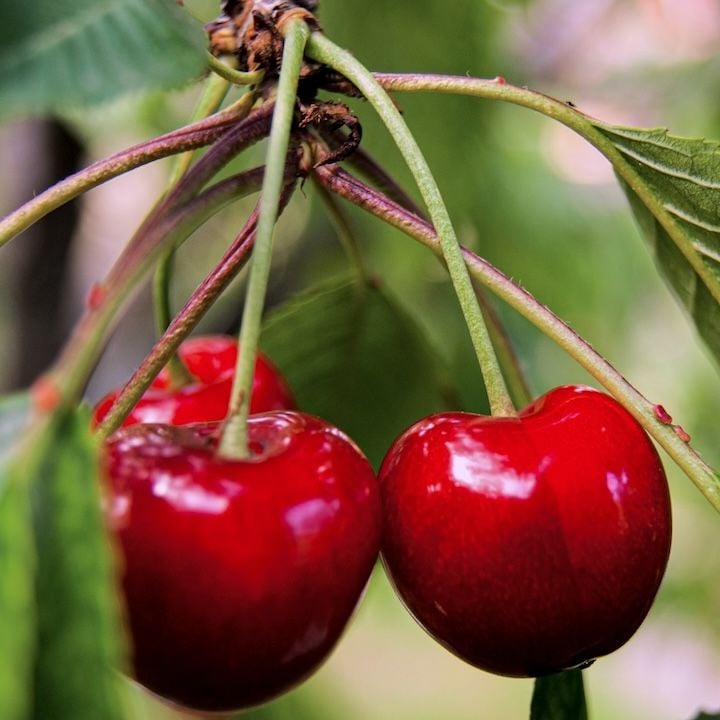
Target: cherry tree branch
191, 137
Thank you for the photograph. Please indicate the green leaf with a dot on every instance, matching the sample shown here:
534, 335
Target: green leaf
59, 54
706, 716
683, 176
353, 356
78, 643
17, 563
559, 697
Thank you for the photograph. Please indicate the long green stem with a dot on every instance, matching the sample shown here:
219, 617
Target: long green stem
325, 51
509, 361
234, 441
704, 477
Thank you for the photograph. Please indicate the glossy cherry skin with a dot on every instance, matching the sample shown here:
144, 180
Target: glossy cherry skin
239, 576
211, 360
530, 545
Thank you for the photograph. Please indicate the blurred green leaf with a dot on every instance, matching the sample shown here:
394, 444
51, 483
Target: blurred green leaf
353, 356
78, 648
17, 615
684, 174
58, 54
17, 562
559, 697
705, 716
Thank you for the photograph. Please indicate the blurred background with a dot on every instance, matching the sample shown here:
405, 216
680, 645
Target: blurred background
526, 194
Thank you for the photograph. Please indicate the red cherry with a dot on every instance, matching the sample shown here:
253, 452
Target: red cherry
239, 575
527, 545
211, 360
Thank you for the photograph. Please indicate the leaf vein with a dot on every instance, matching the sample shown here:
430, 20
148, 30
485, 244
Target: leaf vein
665, 170
692, 219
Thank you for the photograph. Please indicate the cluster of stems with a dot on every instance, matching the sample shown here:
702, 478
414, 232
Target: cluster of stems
189, 202
269, 109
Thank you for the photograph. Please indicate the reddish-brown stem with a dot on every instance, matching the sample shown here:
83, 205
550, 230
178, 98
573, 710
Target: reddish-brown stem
253, 128
190, 137
247, 132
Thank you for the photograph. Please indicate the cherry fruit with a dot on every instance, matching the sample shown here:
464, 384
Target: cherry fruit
211, 361
239, 575
527, 545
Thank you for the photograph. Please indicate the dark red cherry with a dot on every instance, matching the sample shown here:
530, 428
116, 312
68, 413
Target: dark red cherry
211, 360
527, 545
239, 575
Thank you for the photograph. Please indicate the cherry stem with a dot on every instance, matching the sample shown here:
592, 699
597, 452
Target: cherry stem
231, 75
509, 361
325, 51
190, 137
234, 440
214, 92
187, 319
567, 691
704, 477
583, 125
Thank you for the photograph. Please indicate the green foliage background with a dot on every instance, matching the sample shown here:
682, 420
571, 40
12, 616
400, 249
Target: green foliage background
574, 246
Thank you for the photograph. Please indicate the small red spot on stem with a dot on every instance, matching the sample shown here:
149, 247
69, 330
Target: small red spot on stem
682, 434
662, 415
500, 80
95, 296
45, 395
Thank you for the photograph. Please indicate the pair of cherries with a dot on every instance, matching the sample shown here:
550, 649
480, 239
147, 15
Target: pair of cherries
524, 545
